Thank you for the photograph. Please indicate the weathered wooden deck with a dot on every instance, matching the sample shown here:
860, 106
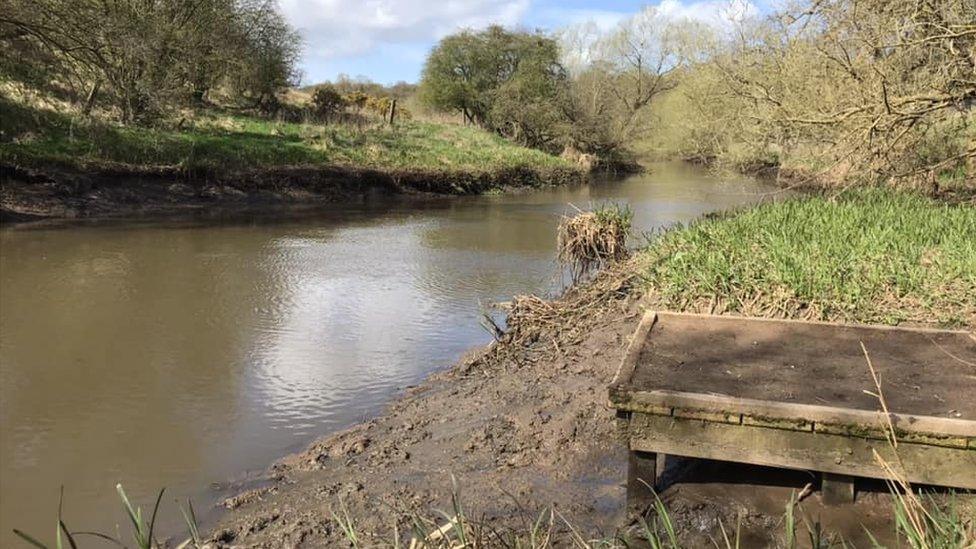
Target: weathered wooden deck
799, 395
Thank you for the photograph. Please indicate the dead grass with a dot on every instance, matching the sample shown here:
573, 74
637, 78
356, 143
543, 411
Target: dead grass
589, 241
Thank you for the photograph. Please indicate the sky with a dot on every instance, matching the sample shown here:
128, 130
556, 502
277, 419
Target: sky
388, 40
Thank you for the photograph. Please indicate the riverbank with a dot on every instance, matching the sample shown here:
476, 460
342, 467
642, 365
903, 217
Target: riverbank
55, 163
33, 194
522, 426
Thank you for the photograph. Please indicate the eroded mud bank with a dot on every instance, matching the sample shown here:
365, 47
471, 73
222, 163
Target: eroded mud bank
27, 194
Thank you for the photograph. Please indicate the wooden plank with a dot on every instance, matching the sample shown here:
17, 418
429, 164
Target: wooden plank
626, 399
791, 424
708, 415
813, 451
629, 363
883, 327
924, 372
641, 482
836, 489
662, 464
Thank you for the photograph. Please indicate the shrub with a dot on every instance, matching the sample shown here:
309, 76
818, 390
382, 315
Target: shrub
327, 103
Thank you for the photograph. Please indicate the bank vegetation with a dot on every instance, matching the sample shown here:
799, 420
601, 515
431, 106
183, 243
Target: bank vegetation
831, 92
836, 92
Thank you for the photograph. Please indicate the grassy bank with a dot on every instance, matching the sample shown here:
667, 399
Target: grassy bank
866, 255
213, 140
57, 163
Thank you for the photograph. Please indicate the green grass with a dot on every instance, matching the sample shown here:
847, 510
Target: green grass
867, 255
37, 137
920, 522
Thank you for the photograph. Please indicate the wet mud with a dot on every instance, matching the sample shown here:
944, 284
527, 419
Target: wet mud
513, 430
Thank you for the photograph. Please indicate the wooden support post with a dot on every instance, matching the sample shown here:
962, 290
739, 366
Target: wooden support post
662, 463
641, 480
392, 112
836, 489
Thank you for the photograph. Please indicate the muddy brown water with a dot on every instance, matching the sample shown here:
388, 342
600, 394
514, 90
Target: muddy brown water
192, 353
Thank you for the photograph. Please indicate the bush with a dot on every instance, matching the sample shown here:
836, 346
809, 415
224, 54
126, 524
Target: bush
378, 105
327, 103
356, 99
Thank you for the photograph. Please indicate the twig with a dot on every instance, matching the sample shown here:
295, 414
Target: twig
880, 396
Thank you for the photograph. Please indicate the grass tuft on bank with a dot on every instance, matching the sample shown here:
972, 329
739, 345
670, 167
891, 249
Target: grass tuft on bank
39, 136
866, 255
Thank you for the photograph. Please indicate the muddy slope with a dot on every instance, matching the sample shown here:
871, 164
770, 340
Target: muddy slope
522, 426
63, 193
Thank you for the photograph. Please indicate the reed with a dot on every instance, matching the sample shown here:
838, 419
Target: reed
589, 241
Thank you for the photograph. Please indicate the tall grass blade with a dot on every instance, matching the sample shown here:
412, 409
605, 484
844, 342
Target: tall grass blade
152, 519
67, 535
345, 523
100, 535
790, 523
29, 539
459, 520
135, 517
190, 518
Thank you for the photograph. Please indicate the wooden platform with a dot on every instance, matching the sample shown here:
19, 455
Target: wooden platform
800, 395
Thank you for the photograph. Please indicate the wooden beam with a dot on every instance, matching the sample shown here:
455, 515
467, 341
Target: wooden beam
830, 453
880, 327
641, 482
662, 464
629, 363
836, 489
636, 400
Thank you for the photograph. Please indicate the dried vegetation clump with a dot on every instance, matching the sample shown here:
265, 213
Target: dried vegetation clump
589, 241
540, 329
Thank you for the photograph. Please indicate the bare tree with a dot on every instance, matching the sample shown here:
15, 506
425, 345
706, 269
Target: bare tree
148, 55
885, 89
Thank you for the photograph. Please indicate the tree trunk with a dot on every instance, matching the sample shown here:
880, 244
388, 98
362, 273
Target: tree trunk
90, 100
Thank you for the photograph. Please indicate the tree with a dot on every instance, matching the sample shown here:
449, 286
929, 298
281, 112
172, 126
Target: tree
617, 75
267, 49
879, 90
506, 81
147, 56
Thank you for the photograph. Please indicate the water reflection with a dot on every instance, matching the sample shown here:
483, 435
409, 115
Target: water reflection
182, 353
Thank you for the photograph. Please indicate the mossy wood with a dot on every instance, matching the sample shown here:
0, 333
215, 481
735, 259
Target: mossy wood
802, 395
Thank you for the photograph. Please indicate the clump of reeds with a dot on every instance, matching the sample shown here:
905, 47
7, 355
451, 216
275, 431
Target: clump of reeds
143, 527
588, 241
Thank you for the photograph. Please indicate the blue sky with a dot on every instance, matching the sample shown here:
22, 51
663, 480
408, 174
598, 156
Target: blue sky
387, 40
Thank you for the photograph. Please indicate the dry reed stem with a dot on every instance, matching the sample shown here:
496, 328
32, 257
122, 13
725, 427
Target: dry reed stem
914, 508
589, 241
880, 396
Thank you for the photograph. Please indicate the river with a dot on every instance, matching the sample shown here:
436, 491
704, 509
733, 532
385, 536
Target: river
191, 354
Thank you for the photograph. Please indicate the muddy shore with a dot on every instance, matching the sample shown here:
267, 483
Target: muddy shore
522, 426
53, 193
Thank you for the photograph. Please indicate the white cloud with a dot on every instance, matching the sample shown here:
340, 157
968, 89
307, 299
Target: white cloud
556, 18
720, 14
345, 28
